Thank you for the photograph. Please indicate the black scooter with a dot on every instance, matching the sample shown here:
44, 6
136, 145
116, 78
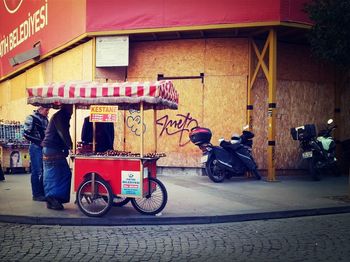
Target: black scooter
317, 150
231, 158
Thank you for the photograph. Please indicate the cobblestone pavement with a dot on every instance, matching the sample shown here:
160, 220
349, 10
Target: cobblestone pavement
319, 238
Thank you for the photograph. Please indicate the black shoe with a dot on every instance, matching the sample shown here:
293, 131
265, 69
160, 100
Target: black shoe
52, 203
39, 198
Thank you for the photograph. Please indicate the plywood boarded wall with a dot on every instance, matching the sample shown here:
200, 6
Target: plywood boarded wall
304, 95
217, 103
343, 131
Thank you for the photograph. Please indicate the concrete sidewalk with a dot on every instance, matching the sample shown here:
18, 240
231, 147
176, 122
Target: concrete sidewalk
191, 200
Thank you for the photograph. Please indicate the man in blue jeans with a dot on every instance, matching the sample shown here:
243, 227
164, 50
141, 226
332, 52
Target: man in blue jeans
34, 131
56, 146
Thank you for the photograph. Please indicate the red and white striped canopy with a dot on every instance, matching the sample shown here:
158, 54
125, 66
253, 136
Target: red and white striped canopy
158, 95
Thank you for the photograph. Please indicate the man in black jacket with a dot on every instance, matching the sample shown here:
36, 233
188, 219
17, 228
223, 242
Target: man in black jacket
56, 146
34, 131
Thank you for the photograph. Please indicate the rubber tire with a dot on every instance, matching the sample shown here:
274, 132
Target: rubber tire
256, 174
312, 170
335, 170
209, 168
137, 206
110, 198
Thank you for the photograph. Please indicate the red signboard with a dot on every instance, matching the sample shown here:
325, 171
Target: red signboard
140, 14
24, 23
293, 11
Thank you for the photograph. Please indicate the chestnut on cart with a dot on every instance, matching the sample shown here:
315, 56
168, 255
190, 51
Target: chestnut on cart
113, 178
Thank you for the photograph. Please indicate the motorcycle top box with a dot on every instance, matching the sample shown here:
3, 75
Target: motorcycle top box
303, 132
200, 135
247, 134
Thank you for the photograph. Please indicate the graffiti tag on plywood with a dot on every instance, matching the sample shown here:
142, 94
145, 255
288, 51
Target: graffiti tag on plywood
180, 126
133, 122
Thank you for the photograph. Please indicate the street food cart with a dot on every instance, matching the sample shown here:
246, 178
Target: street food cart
115, 177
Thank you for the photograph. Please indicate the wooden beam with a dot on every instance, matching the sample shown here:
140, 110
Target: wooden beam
272, 79
270, 73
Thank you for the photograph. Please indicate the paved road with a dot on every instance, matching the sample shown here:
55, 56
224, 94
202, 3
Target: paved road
319, 238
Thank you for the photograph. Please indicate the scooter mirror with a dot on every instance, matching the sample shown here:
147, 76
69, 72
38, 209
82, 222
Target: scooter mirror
330, 121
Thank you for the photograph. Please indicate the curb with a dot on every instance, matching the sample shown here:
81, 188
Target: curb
155, 220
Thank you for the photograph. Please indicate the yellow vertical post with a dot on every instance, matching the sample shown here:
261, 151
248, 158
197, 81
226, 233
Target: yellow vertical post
155, 129
142, 148
142, 138
124, 130
249, 87
272, 79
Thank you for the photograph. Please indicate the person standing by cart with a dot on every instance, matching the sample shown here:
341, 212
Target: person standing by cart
56, 146
104, 134
34, 131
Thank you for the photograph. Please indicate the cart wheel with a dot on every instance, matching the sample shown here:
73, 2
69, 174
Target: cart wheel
155, 201
97, 203
120, 201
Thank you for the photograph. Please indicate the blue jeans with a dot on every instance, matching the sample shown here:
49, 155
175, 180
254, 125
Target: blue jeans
36, 162
57, 176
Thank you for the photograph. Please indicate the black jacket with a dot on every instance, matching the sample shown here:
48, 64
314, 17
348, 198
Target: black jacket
57, 133
34, 127
104, 135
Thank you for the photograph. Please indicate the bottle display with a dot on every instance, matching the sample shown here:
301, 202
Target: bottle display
11, 134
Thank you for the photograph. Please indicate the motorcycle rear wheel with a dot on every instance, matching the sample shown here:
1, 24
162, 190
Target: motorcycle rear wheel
256, 174
335, 169
313, 171
215, 174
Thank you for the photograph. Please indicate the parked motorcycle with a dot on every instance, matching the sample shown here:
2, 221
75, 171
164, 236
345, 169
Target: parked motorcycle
230, 158
319, 151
